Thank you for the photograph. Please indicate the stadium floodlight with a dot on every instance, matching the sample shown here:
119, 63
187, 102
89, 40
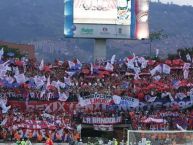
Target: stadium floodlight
145, 6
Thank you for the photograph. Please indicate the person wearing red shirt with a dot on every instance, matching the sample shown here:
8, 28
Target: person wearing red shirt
49, 141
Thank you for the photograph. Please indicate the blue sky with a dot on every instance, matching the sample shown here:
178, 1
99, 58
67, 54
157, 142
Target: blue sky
179, 2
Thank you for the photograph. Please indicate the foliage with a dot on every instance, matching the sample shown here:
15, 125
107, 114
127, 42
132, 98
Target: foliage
184, 51
172, 56
157, 35
7, 50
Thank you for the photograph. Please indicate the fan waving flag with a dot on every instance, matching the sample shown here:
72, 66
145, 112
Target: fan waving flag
62, 96
48, 83
166, 69
1, 53
41, 67
176, 84
113, 59
71, 64
157, 53
78, 64
188, 57
20, 78
109, 67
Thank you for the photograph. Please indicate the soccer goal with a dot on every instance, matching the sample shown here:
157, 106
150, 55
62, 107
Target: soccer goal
144, 137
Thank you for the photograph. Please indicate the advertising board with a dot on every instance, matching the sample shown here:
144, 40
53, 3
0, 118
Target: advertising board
104, 18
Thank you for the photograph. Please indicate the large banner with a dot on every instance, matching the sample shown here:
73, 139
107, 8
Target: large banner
126, 101
49, 106
167, 103
103, 127
28, 94
102, 120
34, 125
95, 99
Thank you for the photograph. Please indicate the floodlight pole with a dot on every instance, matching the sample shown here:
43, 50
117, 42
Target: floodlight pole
100, 49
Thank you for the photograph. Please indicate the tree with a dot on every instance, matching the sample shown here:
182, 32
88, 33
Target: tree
182, 52
8, 50
159, 35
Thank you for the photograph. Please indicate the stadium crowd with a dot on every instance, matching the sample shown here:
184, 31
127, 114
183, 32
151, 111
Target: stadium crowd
163, 88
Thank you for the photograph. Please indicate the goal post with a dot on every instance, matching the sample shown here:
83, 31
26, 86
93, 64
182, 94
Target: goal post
152, 137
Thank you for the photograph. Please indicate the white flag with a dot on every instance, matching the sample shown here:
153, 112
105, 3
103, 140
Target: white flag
55, 83
61, 84
186, 70
9, 79
109, 67
157, 78
186, 66
157, 52
185, 74
67, 80
3, 106
78, 62
1, 53
130, 64
134, 55
188, 57
79, 128
58, 84
180, 128
143, 62
137, 77
155, 69
166, 69
42, 93
151, 99
62, 96
91, 68
48, 83
116, 99
2, 73
71, 64
4, 122
16, 71
113, 59
39, 81
179, 55
41, 67
20, 78
70, 73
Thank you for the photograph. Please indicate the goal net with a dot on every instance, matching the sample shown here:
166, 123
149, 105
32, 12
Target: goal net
143, 137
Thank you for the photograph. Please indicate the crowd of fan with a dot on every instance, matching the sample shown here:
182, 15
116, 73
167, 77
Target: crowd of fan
84, 80
133, 76
162, 120
20, 125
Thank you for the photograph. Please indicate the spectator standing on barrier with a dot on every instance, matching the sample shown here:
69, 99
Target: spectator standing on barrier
115, 142
80, 142
28, 142
49, 141
23, 142
148, 142
18, 142
110, 142
122, 142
